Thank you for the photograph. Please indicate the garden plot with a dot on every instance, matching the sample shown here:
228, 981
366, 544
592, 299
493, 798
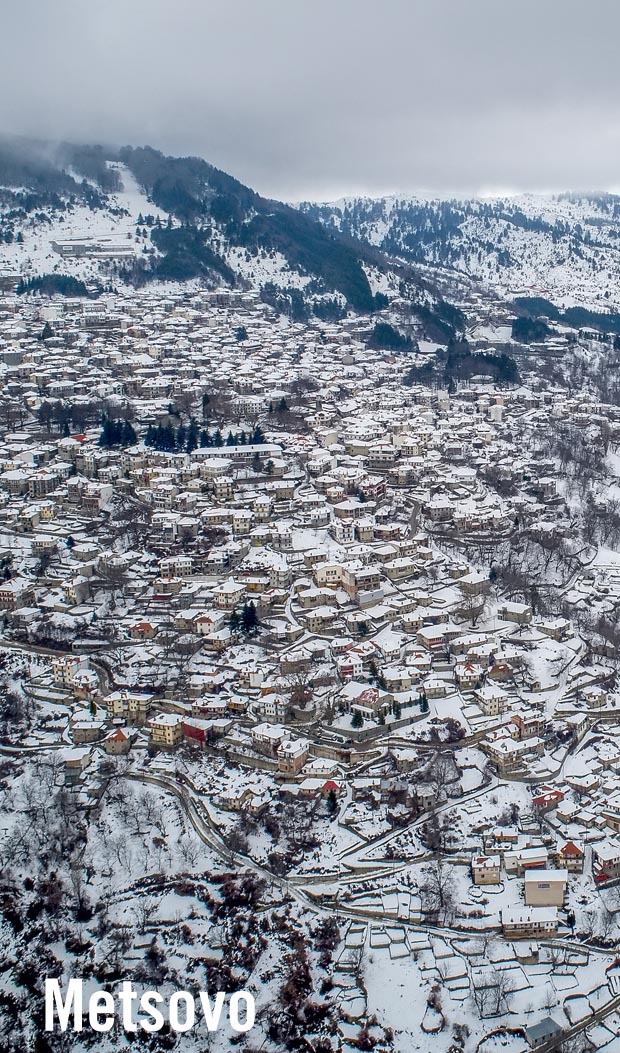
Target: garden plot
356, 936
402, 1001
392, 905
613, 977
409, 905
516, 979
398, 950
603, 1037
379, 938
352, 1003
502, 1043
433, 1021
391, 938
599, 997
417, 941
349, 1032
564, 981
440, 947
459, 988
452, 969
396, 934
577, 1008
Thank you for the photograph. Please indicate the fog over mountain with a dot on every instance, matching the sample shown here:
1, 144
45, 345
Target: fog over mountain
313, 100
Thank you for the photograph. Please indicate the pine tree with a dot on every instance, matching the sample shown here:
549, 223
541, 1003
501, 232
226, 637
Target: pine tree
45, 414
192, 436
169, 439
106, 435
128, 435
249, 619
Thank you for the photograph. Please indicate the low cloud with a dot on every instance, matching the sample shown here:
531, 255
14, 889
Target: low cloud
315, 99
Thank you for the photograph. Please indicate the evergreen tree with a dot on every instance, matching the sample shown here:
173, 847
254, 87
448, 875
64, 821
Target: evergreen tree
192, 436
128, 435
45, 414
249, 619
357, 720
168, 439
181, 437
105, 436
116, 433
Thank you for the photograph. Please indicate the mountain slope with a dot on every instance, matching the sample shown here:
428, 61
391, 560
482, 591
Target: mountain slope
136, 215
565, 247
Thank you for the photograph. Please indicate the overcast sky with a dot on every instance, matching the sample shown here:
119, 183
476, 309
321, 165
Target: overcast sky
317, 98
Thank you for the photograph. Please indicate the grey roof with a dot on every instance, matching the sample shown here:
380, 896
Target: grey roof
545, 1028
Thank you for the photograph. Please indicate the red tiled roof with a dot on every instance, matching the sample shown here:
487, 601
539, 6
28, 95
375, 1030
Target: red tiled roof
571, 849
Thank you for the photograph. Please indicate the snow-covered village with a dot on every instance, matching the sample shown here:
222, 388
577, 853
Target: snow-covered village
308, 672
309, 529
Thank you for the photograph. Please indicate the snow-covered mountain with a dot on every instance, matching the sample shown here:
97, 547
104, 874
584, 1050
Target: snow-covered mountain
112, 217
107, 218
564, 247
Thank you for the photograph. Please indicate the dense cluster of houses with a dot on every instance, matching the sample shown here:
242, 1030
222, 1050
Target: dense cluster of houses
294, 577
